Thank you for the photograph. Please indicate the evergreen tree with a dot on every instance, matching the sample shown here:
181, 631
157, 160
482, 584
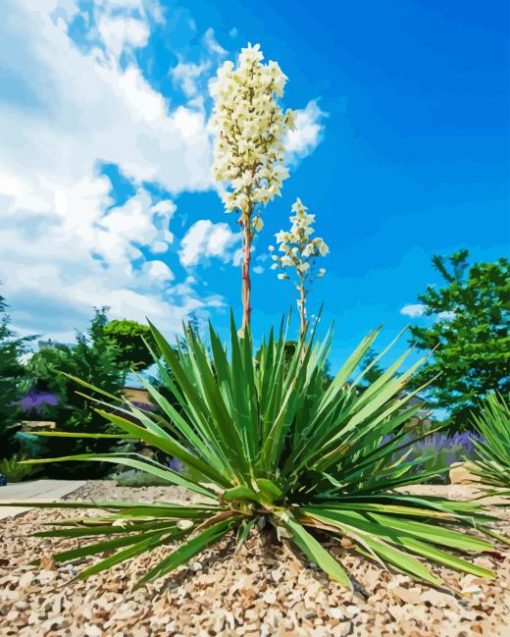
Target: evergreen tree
94, 359
11, 387
469, 336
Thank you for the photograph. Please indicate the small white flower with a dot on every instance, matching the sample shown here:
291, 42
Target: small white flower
290, 119
282, 236
282, 277
258, 224
298, 206
323, 249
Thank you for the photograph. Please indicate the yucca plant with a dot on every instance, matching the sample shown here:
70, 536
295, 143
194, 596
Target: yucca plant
277, 449
493, 450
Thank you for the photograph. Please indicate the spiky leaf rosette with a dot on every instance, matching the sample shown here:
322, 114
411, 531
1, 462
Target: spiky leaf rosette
493, 451
273, 444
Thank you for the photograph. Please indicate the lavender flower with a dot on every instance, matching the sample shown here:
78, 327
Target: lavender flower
143, 406
36, 401
174, 464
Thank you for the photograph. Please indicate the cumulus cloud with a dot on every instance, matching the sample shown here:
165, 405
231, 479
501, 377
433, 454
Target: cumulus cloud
63, 247
57, 266
192, 76
212, 44
119, 32
237, 257
89, 109
206, 239
118, 26
307, 133
185, 76
414, 311
66, 243
158, 270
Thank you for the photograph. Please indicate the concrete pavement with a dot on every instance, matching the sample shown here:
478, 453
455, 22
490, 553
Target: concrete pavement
35, 491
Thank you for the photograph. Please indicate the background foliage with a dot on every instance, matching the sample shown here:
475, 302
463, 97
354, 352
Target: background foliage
470, 336
93, 358
12, 375
128, 336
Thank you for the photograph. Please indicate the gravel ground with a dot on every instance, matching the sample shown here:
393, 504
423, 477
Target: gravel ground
258, 591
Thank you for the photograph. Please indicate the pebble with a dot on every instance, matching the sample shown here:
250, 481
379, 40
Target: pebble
262, 591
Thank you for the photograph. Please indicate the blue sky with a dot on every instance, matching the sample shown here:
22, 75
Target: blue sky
402, 151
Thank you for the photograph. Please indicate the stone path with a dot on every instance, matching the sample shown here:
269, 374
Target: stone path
35, 491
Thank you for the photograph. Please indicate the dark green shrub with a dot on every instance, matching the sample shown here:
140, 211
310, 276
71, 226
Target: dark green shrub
94, 359
12, 377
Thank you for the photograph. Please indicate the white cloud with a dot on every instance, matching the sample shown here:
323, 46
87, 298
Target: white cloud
115, 235
212, 44
165, 207
307, 133
206, 239
158, 247
58, 267
90, 109
446, 315
158, 270
237, 257
192, 77
63, 248
185, 76
64, 244
119, 32
414, 311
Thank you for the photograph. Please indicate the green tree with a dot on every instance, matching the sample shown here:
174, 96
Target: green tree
129, 337
94, 359
11, 382
469, 336
373, 369
289, 350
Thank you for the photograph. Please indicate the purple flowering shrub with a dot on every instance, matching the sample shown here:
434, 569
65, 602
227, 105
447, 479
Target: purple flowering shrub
38, 401
440, 450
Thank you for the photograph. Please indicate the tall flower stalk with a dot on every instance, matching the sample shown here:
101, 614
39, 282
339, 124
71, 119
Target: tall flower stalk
249, 153
300, 252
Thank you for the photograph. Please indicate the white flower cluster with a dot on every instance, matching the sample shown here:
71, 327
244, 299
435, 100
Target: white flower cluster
300, 251
250, 125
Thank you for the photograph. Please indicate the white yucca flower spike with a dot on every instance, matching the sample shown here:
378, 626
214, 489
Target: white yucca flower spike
249, 154
300, 252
